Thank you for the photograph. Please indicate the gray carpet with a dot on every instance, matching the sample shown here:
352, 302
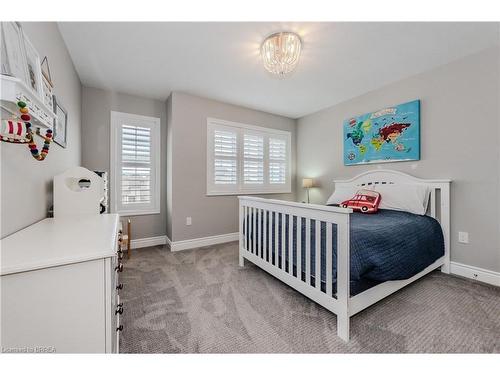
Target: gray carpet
200, 301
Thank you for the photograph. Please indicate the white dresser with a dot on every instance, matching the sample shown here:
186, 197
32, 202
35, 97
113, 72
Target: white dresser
60, 286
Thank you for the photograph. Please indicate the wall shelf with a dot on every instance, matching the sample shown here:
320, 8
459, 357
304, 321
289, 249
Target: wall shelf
13, 90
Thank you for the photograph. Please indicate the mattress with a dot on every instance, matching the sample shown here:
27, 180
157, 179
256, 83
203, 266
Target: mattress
388, 245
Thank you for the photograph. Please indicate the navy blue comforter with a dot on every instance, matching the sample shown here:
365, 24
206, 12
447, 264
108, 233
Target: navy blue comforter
388, 245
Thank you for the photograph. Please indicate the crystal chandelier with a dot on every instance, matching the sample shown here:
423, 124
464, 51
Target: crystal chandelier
280, 53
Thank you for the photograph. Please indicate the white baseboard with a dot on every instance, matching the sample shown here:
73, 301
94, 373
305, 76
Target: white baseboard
475, 273
149, 241
203, 241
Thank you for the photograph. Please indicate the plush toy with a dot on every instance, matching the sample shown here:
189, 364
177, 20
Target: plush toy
366, 201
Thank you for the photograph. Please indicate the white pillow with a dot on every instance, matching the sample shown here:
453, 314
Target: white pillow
342, 193
404, 197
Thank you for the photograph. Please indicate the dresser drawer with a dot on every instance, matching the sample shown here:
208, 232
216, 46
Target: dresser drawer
38, 308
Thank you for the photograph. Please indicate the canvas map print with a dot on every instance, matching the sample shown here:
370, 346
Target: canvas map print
390, 134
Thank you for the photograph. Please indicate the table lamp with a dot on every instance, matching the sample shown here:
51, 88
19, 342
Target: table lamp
308, 184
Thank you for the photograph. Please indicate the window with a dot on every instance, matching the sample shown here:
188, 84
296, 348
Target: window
135, 164
226, 157
277, 160
247, 159
253, 159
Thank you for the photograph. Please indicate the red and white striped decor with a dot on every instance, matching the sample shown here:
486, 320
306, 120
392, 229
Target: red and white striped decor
13, 128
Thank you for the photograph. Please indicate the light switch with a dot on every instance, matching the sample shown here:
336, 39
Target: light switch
189, 220
463, 237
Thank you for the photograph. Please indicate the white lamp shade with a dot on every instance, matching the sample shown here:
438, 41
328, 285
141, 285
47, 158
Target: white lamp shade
307, 182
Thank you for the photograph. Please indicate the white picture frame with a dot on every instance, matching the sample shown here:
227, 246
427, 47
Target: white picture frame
47, 85
60, 123
13, 51
47, 92
33, 68
4, 58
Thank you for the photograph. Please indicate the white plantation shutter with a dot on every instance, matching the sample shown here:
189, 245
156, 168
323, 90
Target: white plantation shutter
246, 159
253, 159
277, 160
135, 164
225, 157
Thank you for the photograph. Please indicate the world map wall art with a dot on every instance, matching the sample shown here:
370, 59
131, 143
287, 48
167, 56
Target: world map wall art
388, 135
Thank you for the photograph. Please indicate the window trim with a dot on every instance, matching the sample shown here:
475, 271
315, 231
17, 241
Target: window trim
115, 164
255, 189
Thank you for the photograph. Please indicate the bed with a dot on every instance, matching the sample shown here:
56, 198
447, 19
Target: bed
360, 258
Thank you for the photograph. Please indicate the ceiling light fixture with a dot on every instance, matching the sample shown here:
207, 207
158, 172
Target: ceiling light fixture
280, 53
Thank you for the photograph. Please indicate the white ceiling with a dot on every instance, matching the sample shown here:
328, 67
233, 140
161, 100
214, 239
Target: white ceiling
221, 60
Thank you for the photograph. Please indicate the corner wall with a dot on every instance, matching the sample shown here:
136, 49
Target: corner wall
97, 105
169, 166
26, 184
211, 215
459, 140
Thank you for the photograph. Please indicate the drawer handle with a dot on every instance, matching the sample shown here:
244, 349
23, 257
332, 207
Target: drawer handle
119, 268
119, 286
120, 255
120, 328
119, 310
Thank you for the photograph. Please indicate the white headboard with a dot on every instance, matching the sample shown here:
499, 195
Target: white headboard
439, 207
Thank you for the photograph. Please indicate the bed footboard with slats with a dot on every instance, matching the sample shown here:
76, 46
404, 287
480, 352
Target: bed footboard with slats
268, 239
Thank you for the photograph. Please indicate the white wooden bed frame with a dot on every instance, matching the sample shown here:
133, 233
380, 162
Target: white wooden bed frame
341, 304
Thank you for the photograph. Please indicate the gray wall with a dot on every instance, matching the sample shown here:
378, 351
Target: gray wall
96, 108
459, 140
27, 183
212, 215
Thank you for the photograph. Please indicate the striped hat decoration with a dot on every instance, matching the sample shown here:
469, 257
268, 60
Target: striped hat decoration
13, 131
20, 132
